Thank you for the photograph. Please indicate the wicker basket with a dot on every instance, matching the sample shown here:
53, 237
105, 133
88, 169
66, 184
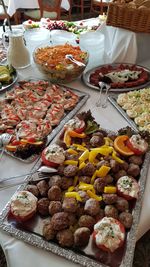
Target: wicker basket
136, 20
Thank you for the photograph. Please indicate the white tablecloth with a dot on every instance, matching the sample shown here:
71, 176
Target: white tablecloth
20, 254
13, 5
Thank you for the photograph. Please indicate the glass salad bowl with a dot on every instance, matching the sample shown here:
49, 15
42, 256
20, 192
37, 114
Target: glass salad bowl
53, 61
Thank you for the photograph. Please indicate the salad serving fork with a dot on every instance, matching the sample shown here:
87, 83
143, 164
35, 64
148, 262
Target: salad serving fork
102, 101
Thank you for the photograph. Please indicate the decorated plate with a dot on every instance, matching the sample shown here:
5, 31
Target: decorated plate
121, 77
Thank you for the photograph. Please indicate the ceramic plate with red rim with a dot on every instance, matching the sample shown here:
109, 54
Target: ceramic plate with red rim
122, 77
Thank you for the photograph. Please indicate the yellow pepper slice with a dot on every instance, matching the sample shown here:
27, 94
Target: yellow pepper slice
108, 141
75, 181
110, 189
79, 147
70, 162
72, 151
73, 194
84, 156
78, 135
83, 144
103, 170
67, 139
82, 165
104, 150
93, 177
71, 188
92, 195
114, 156
85, 186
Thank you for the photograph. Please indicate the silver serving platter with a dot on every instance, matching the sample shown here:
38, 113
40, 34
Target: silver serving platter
86, 77
83, 97
32, 231
113, 100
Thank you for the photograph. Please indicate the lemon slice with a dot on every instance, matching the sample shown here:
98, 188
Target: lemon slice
4, 77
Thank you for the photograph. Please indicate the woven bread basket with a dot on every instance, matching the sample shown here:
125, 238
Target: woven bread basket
122, 16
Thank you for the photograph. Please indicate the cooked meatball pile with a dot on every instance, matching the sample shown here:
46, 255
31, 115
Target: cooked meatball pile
71, 219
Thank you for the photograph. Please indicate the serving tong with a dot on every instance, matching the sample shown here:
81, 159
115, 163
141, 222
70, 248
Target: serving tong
71, 58
41, 174
102, 101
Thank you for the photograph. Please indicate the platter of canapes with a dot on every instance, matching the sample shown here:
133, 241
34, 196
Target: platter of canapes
33, 112
88, 209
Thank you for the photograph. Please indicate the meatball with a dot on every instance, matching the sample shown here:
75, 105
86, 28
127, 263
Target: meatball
70, 170
69, 156
85, 179
99, 185
86, 221
72, 219
114, 165
80, 211
124, 166
54, 207
92, 207
43, 188
54, 193
81, 237
88, 170
42, 206
126, 219
55, 180
70, 204
97, 140
136, 159
101, 133
84, 196
111, 211
108, 179
66, 182
110, 198
119, 174
48, 232
60, 169
60, 221
100, 215
133, 170
65, 238
33, 189
122, 204
102, 163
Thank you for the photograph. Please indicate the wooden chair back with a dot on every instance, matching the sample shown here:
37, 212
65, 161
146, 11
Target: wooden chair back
50, 6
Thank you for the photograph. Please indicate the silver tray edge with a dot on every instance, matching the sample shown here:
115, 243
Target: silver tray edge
113, 100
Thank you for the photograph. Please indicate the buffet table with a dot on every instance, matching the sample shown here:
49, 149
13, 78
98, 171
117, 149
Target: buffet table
108, 118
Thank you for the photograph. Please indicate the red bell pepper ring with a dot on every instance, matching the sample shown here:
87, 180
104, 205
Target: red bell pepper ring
105, 247
47, 162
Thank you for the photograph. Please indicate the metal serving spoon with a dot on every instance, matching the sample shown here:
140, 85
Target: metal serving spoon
71, 58
4, 140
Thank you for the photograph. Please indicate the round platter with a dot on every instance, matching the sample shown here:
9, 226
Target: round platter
86, 77
6, 86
